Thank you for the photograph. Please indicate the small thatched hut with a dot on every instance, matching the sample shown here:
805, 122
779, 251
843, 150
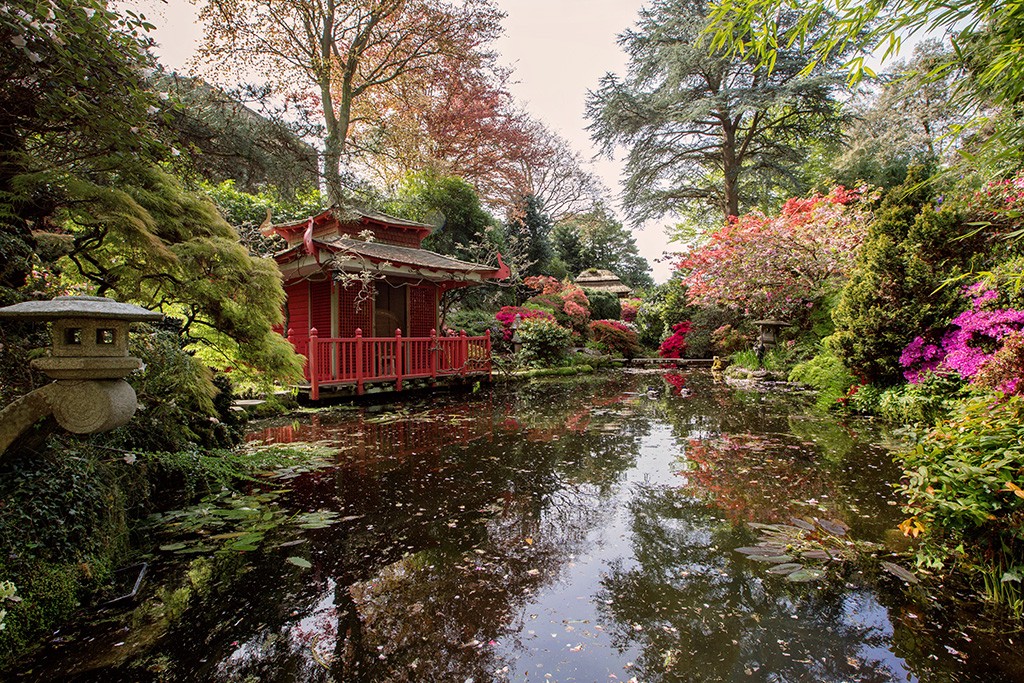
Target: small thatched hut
603, 281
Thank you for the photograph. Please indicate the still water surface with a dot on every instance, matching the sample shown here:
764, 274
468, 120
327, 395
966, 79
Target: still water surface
571, 530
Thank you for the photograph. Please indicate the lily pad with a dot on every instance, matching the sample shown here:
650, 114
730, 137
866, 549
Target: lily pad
802, 523
787, 568
833, 527
816, 555
900, 573
806, 575
773, 559
762, 550
299, 562
173, 546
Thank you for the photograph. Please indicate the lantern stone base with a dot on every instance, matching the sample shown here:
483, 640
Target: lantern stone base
80, 406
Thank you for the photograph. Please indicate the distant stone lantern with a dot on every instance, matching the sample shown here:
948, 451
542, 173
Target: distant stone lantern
769, 331
517, 342
89, 360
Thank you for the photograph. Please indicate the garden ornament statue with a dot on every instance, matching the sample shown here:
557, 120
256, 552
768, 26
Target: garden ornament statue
88, 362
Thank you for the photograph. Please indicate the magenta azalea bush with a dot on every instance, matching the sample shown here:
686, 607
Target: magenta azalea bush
674, 345
970, 341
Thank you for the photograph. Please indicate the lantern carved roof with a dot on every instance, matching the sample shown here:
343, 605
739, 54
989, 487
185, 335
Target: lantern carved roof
79, 307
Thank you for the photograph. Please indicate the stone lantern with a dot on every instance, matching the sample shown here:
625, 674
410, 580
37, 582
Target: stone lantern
769, 331
517, 342
88, 361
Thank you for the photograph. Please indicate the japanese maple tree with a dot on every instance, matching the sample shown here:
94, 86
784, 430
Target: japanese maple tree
773, 265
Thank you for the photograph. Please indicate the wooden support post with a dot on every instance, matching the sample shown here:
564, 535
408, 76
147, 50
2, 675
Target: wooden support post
398, 359
487, 346
433, 350
314, 386
359, 361
463, 352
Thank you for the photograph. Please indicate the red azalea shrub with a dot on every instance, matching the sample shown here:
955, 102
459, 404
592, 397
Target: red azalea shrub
629, 308
674, 345
616, 337
507, 315
1004, 369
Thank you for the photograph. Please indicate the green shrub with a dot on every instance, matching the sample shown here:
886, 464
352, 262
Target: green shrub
895, 290
63, 529
603, 305
659, 310
931, 399
962, 483
544, 342
474, 321
826, 373
866, 399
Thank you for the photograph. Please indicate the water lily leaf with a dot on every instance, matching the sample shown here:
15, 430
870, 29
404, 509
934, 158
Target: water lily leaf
833, 527
802, 523
900, 573
173, 546
805, 575
787, 568
761, 550
299, 562
773, 559
816, 555
194, 550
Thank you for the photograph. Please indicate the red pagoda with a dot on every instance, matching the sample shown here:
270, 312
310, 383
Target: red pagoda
363, 300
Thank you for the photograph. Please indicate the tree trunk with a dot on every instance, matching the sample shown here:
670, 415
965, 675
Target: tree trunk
337, 117
731, 171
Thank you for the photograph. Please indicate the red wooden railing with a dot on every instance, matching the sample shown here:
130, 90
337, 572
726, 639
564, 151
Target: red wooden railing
358, 360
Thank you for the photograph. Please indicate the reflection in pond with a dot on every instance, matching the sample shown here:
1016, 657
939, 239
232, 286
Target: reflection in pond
576, 530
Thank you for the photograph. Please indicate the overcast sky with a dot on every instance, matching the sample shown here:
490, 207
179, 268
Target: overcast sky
558, 48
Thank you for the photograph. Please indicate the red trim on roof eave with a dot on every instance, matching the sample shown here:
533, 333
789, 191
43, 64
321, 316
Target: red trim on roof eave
423, 231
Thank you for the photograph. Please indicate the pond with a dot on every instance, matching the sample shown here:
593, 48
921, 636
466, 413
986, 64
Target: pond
562, 530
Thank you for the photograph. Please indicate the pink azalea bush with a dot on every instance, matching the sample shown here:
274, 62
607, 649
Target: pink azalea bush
1004, 370
1000, 201
565, 300
629, 308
